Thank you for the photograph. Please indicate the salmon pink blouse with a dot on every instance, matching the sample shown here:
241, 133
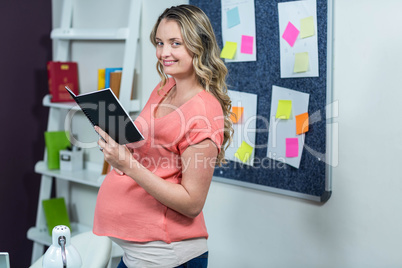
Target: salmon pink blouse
125, 210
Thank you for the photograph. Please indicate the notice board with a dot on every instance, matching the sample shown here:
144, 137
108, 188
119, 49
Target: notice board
312, 179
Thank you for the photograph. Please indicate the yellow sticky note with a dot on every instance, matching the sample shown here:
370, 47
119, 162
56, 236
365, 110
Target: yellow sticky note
284, 109
238, 112
229, 50
307, 27
301, 62
244, 152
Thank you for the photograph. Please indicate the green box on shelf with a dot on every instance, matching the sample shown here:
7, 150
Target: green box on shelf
55, 213
55, 141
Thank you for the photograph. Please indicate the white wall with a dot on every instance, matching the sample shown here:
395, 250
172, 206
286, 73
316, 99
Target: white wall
361, 224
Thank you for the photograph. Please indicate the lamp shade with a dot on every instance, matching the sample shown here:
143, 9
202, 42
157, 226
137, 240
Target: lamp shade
61, 253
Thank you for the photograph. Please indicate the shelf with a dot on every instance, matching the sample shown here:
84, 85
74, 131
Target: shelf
62, 105
134, 104
90, 34
89, 176
41, 235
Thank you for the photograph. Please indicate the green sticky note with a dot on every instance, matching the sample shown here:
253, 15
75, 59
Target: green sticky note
301, 62
284, 109
307, 27
55, 213
55, 141
229, 50
244, 152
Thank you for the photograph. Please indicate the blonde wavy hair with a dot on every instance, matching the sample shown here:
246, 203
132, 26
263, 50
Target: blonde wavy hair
199, 38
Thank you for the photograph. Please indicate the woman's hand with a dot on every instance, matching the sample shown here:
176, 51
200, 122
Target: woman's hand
118, 156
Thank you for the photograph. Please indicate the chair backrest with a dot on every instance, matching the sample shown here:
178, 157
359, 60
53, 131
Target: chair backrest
94, 250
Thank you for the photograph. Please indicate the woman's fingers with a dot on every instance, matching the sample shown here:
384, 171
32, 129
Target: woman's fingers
118, 156
104, 138
101, 133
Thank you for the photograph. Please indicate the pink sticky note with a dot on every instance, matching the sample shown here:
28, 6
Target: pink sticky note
292, 147
290, 34
247, 44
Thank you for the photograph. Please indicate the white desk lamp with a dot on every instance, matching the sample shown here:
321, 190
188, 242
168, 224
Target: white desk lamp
61, 253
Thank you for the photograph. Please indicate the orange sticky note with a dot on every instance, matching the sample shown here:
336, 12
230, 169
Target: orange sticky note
302, 123
238, 112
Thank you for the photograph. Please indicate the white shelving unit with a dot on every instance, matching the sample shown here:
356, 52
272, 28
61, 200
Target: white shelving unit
91, 174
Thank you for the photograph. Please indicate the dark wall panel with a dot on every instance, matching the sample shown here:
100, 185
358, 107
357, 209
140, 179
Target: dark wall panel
24, 50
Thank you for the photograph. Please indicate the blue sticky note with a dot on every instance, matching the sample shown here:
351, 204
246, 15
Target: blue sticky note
233, 17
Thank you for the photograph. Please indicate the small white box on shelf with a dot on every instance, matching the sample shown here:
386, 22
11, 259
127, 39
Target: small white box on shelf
71, 159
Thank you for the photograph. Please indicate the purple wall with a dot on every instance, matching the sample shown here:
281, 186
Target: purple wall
25, 47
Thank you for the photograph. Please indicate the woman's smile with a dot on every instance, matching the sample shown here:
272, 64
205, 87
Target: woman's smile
168, 63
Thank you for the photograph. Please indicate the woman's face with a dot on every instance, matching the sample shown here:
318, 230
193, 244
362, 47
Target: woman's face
171, 52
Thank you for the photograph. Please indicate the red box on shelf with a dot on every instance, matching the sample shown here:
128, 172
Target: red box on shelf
61, 74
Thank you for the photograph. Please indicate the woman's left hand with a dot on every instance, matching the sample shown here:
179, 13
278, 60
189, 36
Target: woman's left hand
118, 156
